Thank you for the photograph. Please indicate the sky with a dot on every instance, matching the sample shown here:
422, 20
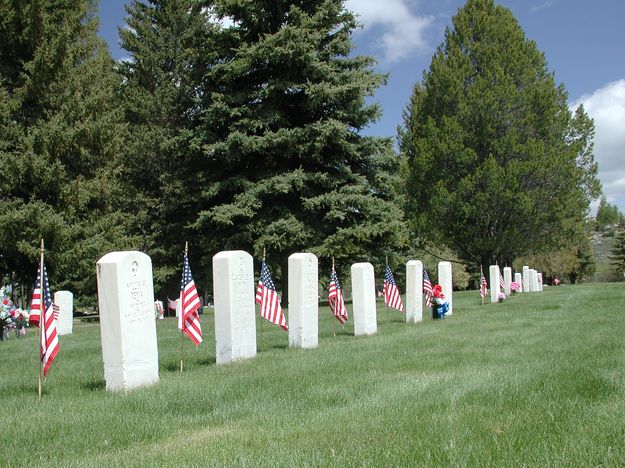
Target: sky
583, 42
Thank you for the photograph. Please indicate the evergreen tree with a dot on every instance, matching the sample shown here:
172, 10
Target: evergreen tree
60, 128
287, 168
607, 215
498, 166
169, 44
618, 254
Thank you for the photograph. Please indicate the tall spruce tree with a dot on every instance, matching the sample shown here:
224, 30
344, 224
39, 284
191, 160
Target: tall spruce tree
60, 129
170, 48
498, 166
618, 254
283, 108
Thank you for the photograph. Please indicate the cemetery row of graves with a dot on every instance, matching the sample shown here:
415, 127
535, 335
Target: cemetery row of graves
127, 307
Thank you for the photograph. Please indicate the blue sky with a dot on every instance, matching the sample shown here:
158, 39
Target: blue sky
583, 42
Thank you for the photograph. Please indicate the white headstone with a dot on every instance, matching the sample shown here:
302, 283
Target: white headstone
159, 311
65, 301
493, 274
446, 282
235, 310
518, 278
507, 279
127, 326
533, 280
539, 277
414, 291
526, 278
363, 299
303, 301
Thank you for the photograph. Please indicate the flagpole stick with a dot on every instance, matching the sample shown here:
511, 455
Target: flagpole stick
335, 326
388, 313
261, 317
41, 321
481, 276
186, 251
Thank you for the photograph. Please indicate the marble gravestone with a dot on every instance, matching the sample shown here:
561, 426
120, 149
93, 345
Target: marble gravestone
445, 280
518, 279
65, 301
526, 278
179, 312
127, 326
533, 280
235, 310
507, 279
414, 291
363, 299
493, 276
303, 301
539, 277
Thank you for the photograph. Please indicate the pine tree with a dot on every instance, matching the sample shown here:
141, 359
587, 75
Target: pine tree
607, 215
60, 131
618, 254
169, 46
498, 166
288, 169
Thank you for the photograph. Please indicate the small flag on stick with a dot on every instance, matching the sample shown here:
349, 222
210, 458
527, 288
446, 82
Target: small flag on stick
267, 297
190, 304
483, 285
335, 298
42, 312
427, 289
392, 298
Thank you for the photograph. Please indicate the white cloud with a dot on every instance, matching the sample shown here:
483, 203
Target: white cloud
401, 31
542, 6
607, 108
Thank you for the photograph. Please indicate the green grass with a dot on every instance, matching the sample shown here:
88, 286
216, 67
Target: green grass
538, 380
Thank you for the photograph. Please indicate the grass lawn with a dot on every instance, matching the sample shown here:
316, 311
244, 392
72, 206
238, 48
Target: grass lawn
537, 380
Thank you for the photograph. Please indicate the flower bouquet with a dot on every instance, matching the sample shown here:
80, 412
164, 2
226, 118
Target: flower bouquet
7, 313
515, 287
501, 297
439, 306
11, 318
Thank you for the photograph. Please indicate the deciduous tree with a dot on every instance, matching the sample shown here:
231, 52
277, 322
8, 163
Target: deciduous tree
498, 165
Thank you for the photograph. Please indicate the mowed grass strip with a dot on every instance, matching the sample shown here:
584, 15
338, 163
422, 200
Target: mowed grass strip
536, 380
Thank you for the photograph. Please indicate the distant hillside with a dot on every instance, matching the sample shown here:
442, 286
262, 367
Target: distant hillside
602, 245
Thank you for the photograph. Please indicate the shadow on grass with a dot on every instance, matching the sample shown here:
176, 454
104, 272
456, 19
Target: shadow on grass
264, 346
94, 385
333, 334
174, 366
210, 361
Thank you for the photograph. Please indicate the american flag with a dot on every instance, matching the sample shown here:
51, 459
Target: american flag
500, 278
392, 297
41, 305
171, 305
335, 298
190, 304
483, 285
427, 289
35, 302
268, 299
